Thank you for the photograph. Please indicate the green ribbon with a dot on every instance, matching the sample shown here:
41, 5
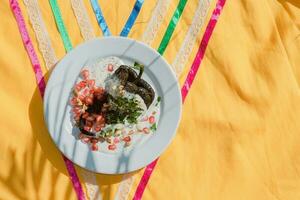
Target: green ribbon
171, 27
61, 26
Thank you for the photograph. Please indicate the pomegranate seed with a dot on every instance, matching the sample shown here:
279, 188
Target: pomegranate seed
91, 83
99, 118
82, 84
76, 110
94, 140
97, 128
92, 91
87, 128
90, 118
81, 97
77, 118
112, 147
127, 139
94, 147
151, 119
77, 87
73, 101
146, 130
110, 67
116, 140
85, 115
89, 123
85, 74
88, 100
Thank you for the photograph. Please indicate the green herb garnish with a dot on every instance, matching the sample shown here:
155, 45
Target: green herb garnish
123, 109
158, 100
153, 127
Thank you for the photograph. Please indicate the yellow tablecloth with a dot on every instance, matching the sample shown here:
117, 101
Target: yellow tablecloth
239, 135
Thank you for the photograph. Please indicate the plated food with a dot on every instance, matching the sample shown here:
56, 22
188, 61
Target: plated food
112, 105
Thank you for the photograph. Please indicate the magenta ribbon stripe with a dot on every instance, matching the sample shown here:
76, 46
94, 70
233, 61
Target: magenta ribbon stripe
186, 87
42, 85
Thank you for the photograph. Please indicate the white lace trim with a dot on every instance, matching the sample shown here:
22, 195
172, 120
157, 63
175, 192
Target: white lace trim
83, 21
92, 188
189, 41
157, 18
155, 22
125, 187
50, 58
44, 42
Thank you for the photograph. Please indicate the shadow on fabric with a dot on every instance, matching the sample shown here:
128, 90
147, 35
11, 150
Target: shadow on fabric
52, 153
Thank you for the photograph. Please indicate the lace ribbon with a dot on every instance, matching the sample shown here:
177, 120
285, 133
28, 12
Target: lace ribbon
184, 91
189, 41
41, 33
89, 178
41, 84
157, 18
83, 21
125, 185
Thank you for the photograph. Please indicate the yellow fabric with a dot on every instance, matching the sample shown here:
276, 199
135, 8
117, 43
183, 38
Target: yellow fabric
239, 134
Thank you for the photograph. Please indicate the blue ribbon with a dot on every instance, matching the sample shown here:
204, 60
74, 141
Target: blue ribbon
103, 25
133, 15
100, 18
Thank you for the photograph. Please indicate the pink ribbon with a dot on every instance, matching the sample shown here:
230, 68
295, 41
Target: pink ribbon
186, 87
42, 85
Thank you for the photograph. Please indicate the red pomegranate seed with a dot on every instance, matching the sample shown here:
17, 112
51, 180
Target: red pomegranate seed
94, 140
146, 130
87, 128
85, 115
110, 67
82, 84
99, 118
98, 128
127, 139
81, 97
90, 118
88, 100
151, 119
94, 147
91, 83
116, 140
112, 147
89, 123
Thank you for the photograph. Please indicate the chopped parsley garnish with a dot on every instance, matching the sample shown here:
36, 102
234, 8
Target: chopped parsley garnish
153, 127
158, 100
121, 109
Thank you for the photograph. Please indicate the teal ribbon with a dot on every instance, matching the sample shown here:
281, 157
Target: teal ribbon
61, 26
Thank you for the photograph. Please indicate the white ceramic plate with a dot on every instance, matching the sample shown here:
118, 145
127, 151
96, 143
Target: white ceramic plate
57, 108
